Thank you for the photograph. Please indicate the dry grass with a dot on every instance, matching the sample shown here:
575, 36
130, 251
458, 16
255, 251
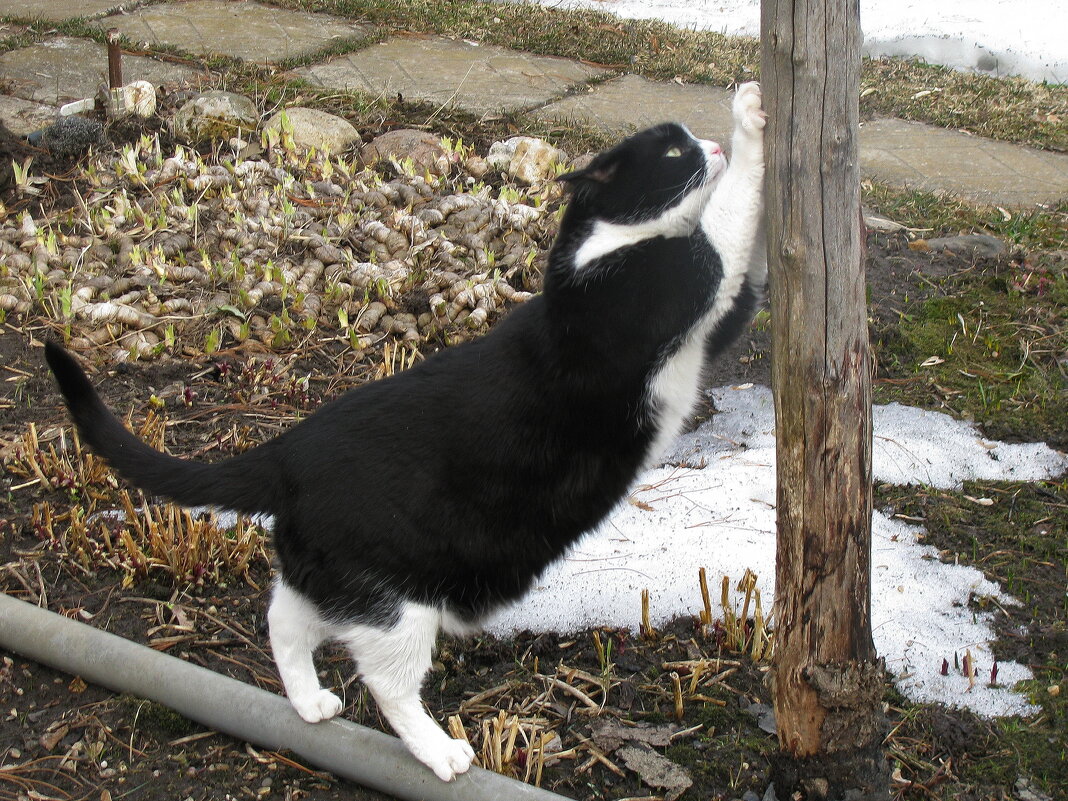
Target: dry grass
525, 724
100, 526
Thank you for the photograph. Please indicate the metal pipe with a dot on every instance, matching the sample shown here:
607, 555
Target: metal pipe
227, 705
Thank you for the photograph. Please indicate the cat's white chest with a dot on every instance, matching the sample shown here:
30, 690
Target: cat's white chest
673, 392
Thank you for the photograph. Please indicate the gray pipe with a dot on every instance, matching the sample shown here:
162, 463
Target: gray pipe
354, 752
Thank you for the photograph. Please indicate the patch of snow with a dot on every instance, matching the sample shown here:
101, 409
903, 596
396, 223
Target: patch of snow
721, 517
996, 37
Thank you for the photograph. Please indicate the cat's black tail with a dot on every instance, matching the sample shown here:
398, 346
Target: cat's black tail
246, 483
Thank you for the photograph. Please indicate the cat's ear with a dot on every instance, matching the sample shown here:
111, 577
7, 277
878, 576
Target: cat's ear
600, 173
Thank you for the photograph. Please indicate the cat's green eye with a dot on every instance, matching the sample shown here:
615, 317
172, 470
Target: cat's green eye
674, 152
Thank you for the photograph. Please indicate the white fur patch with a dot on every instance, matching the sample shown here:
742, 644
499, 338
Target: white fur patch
674, 389
296, 630
732, 221
392, 663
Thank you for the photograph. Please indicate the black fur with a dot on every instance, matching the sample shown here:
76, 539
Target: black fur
459, 480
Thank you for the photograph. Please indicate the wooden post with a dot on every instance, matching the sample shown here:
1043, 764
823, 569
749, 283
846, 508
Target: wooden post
827, 680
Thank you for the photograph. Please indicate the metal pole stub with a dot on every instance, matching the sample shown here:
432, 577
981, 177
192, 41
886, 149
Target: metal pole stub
114, 59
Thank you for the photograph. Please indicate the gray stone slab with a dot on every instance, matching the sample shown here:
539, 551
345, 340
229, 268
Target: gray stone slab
57, 9
23, 116
630, 103
60, 70
482, 79
908, 154
248, 31
934, 159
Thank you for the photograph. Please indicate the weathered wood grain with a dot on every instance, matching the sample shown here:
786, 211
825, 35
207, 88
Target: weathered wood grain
820, 371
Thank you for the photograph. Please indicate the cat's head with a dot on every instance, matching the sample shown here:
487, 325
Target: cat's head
661, 172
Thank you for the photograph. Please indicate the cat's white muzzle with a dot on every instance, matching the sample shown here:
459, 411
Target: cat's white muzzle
715, 160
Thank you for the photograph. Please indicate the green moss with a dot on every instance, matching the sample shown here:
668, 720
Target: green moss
987, 347
158, 717
1037, 228
1036, 750
714, 716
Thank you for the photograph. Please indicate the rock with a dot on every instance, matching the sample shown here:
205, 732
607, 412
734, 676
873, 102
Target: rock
530, 161
581, 162
215, 115
656, 770
749, 795
874, 222
421, 147
970, 245
477, 167
1025, 791
765, 717
69, 137
137, 98
311, 128
610, 734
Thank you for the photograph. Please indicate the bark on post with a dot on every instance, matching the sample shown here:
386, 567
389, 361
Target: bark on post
827, 680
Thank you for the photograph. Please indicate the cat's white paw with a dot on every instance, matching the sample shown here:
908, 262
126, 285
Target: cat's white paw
748, 113
448, 758
317, 706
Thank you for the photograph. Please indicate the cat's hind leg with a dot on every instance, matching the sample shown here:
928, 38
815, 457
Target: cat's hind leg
392, 663
296, 629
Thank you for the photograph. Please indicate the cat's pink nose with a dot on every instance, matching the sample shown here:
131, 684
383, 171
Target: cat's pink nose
714, 148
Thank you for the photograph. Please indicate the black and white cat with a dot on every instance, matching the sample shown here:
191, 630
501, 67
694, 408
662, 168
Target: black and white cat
426, 500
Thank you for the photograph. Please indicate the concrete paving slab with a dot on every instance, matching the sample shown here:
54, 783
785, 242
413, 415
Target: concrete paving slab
912, 154
22, 117
630, 103
934, 159
482, 79
57, 9
248, 31
63, 69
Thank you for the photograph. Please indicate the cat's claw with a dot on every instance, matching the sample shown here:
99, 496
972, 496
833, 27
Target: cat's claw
318, 706
448, 758
748, 113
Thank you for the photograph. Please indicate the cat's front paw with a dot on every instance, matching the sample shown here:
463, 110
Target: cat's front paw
317, 706
448, 758
748, 114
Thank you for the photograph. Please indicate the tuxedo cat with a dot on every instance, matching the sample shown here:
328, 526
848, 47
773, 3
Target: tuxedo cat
426, 500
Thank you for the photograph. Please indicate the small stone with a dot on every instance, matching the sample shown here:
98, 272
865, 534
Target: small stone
874, 222
749, 795
656, 770
423, 148
970, 245
1025, 791
765, 717
138, 98
477, 167
311, 128
530, 161
215, 115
